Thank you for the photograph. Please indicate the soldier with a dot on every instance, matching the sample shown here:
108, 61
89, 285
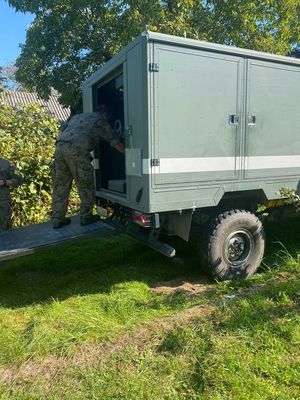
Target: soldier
72, 160
8, 181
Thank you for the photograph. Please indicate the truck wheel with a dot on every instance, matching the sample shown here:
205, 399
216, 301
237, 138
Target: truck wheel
236, 244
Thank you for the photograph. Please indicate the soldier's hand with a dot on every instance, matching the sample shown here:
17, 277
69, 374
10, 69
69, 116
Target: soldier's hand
6, 183
120, 147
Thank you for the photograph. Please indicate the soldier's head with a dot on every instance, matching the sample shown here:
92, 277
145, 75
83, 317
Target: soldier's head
103, 110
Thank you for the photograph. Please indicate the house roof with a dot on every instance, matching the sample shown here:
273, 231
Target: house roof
12, 98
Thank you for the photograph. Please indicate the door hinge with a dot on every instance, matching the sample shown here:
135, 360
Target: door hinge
153, 67
154, 162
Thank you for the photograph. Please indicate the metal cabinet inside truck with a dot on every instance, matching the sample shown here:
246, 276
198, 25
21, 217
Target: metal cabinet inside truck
208, 129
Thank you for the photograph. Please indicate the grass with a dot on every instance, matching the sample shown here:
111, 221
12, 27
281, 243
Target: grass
81, 322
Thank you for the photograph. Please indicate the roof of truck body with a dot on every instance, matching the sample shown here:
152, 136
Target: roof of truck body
193, 43
200, 44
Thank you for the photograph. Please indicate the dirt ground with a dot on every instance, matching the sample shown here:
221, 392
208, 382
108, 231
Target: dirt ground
200, 286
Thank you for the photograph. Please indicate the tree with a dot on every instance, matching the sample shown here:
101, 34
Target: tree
68, 40
2, 80
9, 77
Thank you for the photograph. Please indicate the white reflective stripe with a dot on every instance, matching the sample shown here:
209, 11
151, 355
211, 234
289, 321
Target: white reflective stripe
215, 164
188, 165
146, 168
271, 162
205, 164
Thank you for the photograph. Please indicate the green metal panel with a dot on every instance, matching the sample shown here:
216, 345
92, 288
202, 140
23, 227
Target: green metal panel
135, 97
87, 99
178, 115
196, 93
273, 143
136, 125
218, 48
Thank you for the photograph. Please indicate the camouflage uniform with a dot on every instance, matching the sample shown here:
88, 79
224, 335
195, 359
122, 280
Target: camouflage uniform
7, 172
73, 161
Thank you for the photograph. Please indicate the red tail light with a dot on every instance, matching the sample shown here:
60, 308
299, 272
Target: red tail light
145, 220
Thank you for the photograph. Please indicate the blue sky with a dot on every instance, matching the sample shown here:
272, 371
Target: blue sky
12, 32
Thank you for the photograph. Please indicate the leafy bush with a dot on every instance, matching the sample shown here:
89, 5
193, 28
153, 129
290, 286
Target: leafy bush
291, 197
27, 138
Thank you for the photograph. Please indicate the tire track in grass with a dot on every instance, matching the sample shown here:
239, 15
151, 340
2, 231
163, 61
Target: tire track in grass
141, 337
89, 355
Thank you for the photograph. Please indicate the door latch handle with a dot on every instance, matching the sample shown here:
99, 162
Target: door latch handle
234, 119
129, 130
251, 120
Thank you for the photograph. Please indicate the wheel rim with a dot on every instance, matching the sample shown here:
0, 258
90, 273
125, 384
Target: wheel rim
238, 247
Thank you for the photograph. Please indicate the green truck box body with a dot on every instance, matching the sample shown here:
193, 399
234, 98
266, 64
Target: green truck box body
200, 120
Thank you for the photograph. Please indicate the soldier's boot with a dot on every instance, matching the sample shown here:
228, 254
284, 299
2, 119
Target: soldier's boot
61, 223
89, 220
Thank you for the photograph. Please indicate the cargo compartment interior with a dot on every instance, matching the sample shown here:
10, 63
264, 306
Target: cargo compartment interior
111, 173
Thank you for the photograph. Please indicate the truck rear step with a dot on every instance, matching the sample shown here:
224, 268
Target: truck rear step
122, 222
26, 240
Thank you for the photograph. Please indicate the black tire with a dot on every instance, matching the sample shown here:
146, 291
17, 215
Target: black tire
236, 244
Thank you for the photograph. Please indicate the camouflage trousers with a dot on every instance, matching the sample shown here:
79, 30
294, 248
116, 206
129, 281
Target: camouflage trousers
72, 163
5, 210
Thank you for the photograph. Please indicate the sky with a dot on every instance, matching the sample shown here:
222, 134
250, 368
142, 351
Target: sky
13, 27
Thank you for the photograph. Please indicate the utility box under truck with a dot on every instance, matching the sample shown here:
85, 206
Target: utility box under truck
209, 130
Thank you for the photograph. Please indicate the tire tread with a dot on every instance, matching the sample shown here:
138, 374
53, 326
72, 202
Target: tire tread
212, 232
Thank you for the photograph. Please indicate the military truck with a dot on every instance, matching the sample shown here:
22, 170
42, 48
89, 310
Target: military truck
210, 132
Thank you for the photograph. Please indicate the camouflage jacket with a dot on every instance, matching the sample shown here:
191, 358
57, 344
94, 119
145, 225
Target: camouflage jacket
7, 171
84, 130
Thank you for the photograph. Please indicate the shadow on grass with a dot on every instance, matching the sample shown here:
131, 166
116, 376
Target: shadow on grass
282, 235
96, 265
87, 267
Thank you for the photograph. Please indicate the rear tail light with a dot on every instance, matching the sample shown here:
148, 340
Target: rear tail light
145, 220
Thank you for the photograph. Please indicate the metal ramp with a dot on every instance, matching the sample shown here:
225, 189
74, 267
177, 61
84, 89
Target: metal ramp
26, 240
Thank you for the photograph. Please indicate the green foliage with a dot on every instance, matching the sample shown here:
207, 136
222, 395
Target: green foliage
291, 197
27, 137
68, 40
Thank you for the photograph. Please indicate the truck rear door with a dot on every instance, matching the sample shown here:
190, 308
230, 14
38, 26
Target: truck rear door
198, 107
272, 120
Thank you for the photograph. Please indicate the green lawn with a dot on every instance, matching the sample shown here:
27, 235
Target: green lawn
81, 322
